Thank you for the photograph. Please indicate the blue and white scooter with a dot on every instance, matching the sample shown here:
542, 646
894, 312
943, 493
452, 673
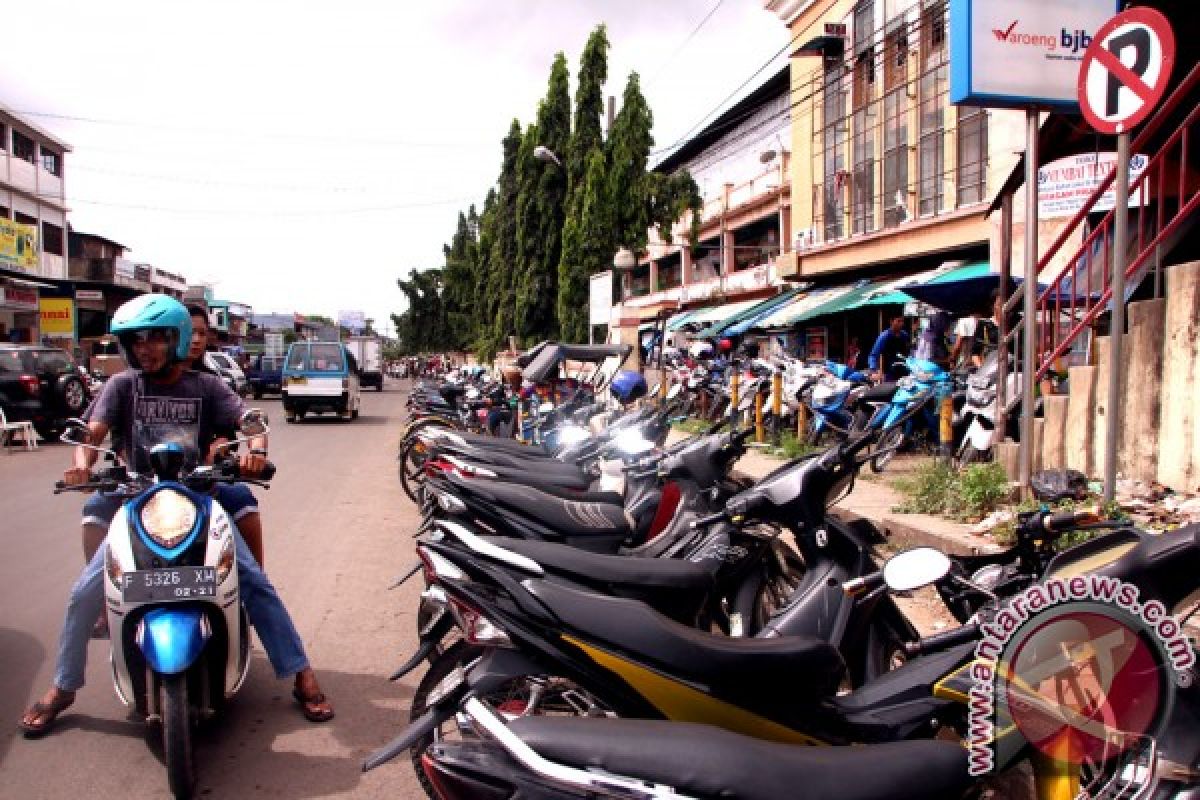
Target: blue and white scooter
180, 637
921, 390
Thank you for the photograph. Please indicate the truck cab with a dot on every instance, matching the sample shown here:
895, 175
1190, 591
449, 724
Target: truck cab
320, 378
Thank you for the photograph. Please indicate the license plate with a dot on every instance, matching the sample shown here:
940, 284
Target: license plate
170, 584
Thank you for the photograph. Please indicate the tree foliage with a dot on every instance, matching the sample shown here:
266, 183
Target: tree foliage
422, 328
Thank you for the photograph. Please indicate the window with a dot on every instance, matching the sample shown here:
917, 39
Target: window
25, 219
931, 164
895, 127
833, 149
23, 147
53, 362
51, 162
670, 272
52, 239
3, 138
972, 155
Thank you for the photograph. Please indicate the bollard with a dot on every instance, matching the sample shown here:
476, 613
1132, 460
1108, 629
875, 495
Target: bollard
735, 380
946, 432
777, 405
759, 432
802, 422
662, 393
520, 422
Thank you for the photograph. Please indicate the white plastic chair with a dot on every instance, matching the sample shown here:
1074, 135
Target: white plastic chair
10, 429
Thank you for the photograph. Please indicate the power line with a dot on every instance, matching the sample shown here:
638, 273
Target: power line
684, 43
233, 184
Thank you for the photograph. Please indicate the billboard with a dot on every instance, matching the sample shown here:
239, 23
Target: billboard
18, 245
600, 298
1021, 53
58, 316
1065, 185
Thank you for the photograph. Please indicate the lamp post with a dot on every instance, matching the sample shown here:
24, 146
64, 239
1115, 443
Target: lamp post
543, 153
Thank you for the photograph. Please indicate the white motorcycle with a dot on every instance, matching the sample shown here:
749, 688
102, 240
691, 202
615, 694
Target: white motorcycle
180, 637
980, 410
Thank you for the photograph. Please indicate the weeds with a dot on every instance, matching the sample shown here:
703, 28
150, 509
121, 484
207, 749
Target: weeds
692, 425
969, 494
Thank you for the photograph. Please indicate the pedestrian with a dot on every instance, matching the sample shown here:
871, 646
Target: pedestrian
892, 346
931, 345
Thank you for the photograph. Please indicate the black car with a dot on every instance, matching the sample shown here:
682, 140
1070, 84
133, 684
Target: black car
41, 384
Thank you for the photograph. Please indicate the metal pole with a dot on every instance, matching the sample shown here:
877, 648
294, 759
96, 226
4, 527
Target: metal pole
1116, 334
1030, 326
1002, 350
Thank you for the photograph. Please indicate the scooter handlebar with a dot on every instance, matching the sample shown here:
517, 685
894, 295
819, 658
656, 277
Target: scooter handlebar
944, 640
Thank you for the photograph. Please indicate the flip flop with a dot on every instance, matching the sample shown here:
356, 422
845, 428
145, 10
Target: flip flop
310, 707
50, 712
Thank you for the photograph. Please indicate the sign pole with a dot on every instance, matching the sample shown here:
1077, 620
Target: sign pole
1031, 324
1116, 335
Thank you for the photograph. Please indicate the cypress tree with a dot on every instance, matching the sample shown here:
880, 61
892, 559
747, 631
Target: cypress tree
540, 210
629, 145
502, 261
587, 249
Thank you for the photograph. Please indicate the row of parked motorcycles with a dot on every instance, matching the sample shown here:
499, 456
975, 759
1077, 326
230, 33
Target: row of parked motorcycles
609, 615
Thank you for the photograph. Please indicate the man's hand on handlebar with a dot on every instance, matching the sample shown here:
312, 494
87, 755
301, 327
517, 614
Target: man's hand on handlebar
251, 465
77, 476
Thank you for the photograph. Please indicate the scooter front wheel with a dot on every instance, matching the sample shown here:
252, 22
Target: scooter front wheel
178, 752
886, 448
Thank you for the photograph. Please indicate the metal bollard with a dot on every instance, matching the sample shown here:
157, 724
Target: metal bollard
759, 432
776, 406
801, 422
735, 382
946, 429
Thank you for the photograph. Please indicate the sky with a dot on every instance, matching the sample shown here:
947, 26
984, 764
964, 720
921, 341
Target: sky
302, 156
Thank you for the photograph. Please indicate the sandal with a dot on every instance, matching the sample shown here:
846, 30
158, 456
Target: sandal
315, 708
48, 712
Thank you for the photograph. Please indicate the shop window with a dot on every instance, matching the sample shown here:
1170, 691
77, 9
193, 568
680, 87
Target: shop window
51, 162
972, 155
670, 273
931, 157
5, 213
25, 219
23, 147
52, 239
833, 153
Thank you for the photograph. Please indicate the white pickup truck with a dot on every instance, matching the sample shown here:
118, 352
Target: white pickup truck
368, 353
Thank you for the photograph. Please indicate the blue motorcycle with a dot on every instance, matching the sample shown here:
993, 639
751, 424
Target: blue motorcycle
917, 398
835, 402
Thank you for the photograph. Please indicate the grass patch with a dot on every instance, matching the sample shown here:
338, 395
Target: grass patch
790, 447
964, 495
692, 425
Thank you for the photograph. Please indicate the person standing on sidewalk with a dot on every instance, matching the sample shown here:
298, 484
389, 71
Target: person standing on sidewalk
891, 348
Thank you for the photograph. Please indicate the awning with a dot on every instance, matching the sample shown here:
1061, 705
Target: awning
679, 320
707, 316
802, 307
742, 320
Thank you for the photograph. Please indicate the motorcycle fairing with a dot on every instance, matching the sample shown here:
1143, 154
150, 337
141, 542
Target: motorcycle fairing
172, 637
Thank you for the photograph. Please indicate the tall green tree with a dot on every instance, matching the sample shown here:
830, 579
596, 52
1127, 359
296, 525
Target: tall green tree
481, 328
502, 259
586, 131
422, 328
587, 249
541, 210
458, 276
629, 145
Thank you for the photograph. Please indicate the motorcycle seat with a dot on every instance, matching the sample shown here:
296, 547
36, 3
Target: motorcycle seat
673, 587
764, 672
705, 761
879, 393
483, 442
569, 518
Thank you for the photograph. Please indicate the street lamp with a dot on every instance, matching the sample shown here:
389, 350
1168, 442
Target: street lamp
543, 153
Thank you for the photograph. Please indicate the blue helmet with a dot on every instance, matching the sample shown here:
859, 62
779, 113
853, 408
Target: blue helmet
153, 312
627, 386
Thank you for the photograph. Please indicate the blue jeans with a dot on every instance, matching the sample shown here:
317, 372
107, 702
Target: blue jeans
266, 611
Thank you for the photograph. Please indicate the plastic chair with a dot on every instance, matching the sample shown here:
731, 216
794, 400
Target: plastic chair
10, 429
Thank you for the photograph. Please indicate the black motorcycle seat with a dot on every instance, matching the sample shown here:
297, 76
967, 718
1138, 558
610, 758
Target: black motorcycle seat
484, 442
557, 477
879, 393
567, 517
667, 573
769, 671
711, 762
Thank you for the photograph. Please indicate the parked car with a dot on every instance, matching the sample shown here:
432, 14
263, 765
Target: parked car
42, 385
265, 375
228, 370
320, 377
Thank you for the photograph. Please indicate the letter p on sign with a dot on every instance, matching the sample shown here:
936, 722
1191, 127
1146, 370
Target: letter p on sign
1126, 69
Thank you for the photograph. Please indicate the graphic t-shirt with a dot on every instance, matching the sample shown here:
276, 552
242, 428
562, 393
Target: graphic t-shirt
142, 413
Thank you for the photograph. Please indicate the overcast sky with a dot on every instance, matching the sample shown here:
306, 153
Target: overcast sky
301, 155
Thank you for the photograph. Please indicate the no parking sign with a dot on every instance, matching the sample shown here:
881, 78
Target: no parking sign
1126, 70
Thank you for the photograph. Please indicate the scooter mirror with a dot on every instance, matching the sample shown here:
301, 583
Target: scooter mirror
253, 422
674, 391
915, 568
545, 408
76, 432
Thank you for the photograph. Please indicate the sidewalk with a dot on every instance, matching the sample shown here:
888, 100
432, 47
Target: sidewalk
874, 500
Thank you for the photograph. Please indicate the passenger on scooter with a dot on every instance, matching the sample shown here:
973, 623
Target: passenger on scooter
155, 334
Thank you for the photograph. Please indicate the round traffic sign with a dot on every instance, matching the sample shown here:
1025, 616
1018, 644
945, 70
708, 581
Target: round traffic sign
1126, 69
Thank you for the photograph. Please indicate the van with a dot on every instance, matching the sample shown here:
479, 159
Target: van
320, 377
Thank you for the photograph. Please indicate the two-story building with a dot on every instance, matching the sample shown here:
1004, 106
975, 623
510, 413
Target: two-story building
33, 223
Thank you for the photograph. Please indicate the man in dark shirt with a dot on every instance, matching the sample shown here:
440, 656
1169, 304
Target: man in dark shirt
891, 347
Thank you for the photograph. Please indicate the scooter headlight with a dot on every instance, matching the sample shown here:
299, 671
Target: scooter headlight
225, 560
168, 517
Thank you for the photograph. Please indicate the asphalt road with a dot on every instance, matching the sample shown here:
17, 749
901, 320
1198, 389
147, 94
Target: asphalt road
337, 532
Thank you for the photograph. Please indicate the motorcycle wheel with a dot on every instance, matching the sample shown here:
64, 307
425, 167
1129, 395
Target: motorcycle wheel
971, 455
888, 444
777, 588
412, 459
885, 652
177, 736
511, 700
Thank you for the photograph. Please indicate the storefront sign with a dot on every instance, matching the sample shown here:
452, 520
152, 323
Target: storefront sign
89, 294
58, 316
600, 298
18, 299
18, 245
1021, 53
1065, 185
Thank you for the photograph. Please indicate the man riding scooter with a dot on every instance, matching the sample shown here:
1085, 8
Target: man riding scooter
156, 400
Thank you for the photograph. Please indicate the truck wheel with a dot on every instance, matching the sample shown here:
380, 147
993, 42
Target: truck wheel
379, 386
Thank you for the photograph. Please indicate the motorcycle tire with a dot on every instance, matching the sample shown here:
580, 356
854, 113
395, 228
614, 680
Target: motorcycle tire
411, 462
887, 446
972, 455
178, 752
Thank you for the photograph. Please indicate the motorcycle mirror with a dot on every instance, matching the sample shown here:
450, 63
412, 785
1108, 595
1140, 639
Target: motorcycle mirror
253, 422
545, 408
674, 391
915, 568
76, 432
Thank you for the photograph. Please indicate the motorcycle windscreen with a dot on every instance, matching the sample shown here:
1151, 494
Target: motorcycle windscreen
171, 639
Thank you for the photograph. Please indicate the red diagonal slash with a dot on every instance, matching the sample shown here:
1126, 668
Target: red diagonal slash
1124, 74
